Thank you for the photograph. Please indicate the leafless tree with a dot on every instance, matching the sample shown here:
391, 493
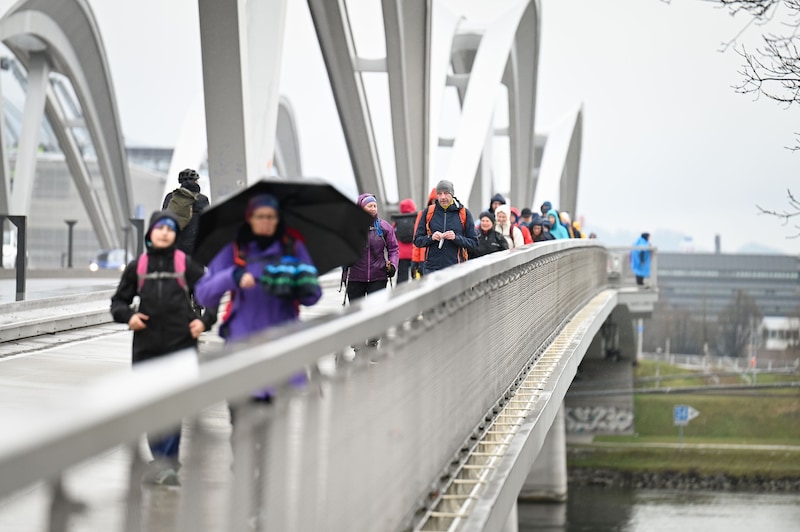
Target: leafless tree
737, 323
786, 215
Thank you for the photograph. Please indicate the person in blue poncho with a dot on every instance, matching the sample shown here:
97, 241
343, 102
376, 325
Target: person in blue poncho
641, 258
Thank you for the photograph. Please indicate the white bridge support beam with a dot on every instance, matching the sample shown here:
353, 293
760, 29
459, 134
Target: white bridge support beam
520, 79
478, 106
408, 33
547, 480
339, 53
81, 177
241, 45
25, 168
5, 174
63, 37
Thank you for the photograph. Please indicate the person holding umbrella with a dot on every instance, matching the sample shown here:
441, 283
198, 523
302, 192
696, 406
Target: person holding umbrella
267, 269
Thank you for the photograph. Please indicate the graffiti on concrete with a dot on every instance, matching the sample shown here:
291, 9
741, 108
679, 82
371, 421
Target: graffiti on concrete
599, 419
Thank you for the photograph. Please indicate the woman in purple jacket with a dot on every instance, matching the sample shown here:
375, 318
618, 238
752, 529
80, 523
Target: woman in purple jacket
262, 295
379, 261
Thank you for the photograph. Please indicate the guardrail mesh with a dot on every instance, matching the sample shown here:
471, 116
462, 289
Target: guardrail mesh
363, 445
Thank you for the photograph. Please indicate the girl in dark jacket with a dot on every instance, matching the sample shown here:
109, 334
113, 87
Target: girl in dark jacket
489, 240
165, 320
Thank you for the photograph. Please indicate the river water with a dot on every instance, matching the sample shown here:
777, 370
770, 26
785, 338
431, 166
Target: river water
596, 509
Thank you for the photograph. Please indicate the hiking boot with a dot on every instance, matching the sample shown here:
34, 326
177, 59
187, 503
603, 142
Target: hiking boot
162, 477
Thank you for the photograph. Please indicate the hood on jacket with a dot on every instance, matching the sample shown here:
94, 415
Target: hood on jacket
497, 197
408, 206
432, 197
537, 220
156, 216
515, 212
565, 217
506, 209
547, 206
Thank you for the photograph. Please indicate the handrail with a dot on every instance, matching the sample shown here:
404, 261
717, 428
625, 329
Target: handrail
119, 409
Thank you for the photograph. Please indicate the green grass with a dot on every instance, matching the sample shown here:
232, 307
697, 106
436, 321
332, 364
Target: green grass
734, 462
757, 417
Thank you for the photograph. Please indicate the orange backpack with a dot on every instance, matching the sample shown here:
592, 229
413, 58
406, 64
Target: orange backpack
462, 213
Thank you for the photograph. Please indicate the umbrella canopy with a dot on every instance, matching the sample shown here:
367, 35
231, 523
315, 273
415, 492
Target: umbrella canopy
333, 227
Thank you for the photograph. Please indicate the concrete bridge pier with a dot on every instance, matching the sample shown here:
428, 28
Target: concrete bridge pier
547, 480
512, 525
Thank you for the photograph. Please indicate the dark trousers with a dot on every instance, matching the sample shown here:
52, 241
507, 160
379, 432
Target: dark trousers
166, 448
639, 280
358, 289
403, 270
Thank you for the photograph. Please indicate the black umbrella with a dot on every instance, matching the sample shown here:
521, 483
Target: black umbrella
334, 228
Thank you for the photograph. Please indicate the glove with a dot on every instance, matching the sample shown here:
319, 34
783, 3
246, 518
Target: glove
416, 270
390, 269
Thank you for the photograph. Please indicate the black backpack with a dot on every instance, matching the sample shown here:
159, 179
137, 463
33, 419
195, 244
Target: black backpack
404, 226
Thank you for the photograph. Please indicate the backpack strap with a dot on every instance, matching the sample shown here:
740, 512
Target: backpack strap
462, 213
179, 274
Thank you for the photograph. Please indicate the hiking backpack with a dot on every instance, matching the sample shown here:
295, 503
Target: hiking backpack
181, 204
404, 226
462, 213
179, 274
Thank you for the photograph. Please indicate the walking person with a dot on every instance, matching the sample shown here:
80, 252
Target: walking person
404, 224
267, 270
489, 240
503, 225
378, 263
446, 229
641, 259
418, 253
187, 202
165, 321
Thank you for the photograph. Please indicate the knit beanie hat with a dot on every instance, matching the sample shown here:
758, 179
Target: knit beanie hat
445, 186
261, 200
486, 214
365, 199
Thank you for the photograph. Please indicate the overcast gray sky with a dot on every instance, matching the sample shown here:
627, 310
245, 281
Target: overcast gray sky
668, 145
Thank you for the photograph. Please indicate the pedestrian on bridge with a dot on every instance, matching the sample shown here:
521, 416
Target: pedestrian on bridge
165, 321
504, 226
446, 230
195, 203
378, 263
267, 270
641, 258
489, 240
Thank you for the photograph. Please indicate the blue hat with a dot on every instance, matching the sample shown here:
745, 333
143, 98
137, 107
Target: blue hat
261, 200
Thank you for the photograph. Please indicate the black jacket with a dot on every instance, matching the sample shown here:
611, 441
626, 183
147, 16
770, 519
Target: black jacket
166, 303
188, 235
488, 243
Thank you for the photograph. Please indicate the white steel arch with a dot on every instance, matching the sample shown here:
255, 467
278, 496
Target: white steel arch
64, 37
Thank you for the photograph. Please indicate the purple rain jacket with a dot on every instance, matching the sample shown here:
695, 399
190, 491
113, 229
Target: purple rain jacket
372, 264
253, 310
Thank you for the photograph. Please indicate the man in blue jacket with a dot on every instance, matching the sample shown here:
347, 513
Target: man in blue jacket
446, 230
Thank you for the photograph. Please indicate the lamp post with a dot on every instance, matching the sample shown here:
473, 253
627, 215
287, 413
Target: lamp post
71, 226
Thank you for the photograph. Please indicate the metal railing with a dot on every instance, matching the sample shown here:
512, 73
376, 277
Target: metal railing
361, 447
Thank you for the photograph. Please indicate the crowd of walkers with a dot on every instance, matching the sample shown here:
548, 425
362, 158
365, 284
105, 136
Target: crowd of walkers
168, 298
